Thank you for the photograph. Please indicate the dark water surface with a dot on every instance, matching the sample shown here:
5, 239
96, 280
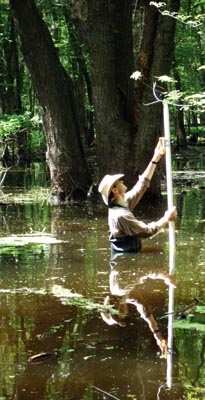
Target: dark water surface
51, 293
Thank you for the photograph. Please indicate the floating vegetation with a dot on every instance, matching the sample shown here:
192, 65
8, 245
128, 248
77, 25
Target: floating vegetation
36, 195
67, 297
30, 238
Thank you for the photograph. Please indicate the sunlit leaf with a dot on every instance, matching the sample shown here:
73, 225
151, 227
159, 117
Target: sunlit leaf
174, 95
136, 75
158, 5
165, 78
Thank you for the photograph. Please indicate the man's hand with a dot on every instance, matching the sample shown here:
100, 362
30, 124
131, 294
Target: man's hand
170, 215
160, 150
163, 348
170, 280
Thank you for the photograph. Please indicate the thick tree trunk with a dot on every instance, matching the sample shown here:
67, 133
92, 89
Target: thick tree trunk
84, 83
68, 169
106, 29
155, 60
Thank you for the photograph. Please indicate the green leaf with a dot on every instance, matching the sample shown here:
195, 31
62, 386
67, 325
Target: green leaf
157, 5
165, 78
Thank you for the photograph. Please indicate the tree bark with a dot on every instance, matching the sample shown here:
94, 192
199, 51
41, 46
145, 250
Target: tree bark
106, 29
125, 139
11, 77
179, 116
155, 60
68, 169
84, 82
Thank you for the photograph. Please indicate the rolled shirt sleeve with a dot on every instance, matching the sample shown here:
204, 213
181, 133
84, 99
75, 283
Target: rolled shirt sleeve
122, 222
132, 227
134, 195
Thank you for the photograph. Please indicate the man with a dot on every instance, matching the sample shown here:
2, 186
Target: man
125, 230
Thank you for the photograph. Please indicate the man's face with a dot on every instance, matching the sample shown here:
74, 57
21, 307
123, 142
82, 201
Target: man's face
120, 186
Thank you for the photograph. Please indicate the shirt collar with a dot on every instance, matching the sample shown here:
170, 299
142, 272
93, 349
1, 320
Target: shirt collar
119, 203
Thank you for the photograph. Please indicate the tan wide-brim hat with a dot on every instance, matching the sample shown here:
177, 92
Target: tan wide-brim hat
106, 185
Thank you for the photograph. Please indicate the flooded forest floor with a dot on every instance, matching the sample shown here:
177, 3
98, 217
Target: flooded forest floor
55, 274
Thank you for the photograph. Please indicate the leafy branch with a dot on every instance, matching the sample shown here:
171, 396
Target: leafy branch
175, 98
184, 19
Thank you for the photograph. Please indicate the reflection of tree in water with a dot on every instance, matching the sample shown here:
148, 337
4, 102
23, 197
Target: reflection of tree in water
191, 350
77, 262
93, 356
120, 361
43, 331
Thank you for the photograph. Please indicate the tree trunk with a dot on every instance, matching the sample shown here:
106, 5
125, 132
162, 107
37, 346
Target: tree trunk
179, 119
179, 116
9, 69
180, 129
155, 60
106, 29
68, 169
84, 83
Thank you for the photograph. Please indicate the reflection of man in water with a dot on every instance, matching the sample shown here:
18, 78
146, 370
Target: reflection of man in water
120, 298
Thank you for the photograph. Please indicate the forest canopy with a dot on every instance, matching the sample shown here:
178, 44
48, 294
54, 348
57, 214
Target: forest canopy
66, 93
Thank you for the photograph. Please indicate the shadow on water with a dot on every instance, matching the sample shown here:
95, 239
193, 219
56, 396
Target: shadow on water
52, 296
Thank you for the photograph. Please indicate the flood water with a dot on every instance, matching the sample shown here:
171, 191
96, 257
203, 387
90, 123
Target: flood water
52, 292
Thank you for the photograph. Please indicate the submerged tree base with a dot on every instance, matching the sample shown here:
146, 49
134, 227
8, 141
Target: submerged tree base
60, 198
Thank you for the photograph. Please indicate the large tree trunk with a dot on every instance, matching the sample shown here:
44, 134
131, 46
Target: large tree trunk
106, 29
124, 143
155, 60
68, 169
84, 83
